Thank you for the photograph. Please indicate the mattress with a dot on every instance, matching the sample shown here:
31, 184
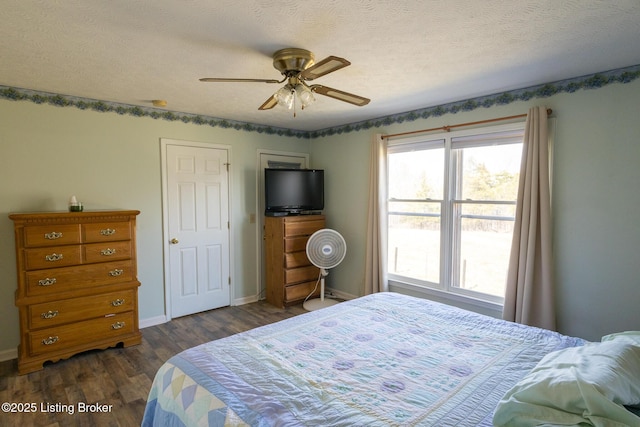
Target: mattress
380, 360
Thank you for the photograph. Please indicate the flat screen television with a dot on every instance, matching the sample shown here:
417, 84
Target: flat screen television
293, 191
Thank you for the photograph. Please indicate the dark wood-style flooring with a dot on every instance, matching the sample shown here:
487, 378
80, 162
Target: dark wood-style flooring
120, 377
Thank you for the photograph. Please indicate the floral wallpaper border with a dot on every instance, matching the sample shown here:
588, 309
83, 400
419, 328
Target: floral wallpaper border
594, 81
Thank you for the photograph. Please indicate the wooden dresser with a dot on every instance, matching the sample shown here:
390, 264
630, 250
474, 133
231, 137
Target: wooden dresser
77, 283
290, 275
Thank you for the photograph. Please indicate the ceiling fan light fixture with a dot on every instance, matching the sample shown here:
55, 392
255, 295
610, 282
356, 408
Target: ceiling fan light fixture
298, 66
305, 95
285, 96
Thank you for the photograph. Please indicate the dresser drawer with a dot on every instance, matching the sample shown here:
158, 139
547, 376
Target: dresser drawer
55, 256
54, 313
296, 259
302, 274
300, 291
295, 244
302, 228
51, 235
108, 251
63, 337
56, 280
106, 232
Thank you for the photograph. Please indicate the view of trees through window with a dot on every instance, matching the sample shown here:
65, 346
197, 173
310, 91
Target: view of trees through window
465, 228
416, 189
484, 214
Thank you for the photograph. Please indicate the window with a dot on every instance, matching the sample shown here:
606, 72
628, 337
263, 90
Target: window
451, 209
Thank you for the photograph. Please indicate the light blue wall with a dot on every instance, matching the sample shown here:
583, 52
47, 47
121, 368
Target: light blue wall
112, 161
107, 160
596, 202
597, 210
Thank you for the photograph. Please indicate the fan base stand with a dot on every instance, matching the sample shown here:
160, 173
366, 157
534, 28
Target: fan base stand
317, 304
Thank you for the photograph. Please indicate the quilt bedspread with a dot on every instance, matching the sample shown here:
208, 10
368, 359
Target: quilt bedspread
380, 360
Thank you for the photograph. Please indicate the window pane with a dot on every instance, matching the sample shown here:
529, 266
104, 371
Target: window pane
485, 245
414, 247
416, 174
458, 238
491, 172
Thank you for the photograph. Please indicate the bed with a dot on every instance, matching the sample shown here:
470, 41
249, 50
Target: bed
380, 360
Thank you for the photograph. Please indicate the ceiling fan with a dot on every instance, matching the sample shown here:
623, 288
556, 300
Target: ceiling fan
298, 66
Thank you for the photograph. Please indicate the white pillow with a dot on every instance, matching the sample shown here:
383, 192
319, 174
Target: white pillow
587, 384
631, 337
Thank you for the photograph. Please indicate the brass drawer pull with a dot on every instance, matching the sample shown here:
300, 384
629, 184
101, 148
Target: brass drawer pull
118, 302
47, 282
117, 325
53, 235
107, 252
108, 232
53, 257
50, 340
49, 314
115, 273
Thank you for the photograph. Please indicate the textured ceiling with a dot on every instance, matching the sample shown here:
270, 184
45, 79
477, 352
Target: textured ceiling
405, 55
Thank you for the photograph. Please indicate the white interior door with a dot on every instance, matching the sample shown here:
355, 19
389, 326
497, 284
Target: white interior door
197, 208
272, 160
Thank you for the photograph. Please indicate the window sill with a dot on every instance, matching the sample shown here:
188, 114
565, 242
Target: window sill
472, 304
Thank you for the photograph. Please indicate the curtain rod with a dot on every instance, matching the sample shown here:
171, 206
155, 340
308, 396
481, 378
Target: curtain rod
448, 128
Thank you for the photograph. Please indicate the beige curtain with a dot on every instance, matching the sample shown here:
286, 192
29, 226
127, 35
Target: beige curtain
375, 277
530, 295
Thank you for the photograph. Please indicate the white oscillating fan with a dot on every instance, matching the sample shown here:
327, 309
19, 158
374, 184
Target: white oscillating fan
326, 249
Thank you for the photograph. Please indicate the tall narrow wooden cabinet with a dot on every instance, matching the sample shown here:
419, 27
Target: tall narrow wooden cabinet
77, 283
290, 275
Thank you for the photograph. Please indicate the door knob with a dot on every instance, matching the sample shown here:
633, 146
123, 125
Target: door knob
174, 241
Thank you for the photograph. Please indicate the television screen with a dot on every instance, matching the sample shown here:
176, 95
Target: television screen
293, 191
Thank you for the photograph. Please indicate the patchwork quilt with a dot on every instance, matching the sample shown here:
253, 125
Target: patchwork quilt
381, 360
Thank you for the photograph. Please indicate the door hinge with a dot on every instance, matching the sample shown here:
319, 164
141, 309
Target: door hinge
227, 165
229, 280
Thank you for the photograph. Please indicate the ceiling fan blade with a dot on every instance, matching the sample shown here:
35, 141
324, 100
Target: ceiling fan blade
223, 80
326, 66
269, 103
340, 95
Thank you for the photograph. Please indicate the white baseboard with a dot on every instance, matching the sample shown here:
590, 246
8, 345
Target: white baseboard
152, 321
341, 295
8, 354
245, 300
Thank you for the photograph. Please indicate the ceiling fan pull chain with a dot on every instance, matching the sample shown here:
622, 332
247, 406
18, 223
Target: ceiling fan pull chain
293, 92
